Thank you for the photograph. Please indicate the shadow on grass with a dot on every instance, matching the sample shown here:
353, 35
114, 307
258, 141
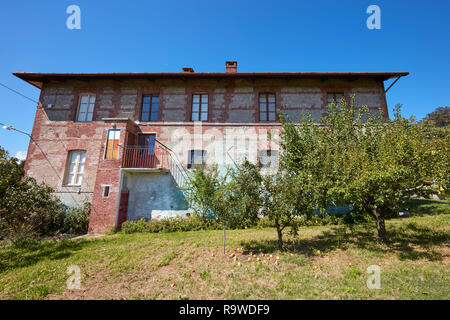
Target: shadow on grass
408, 241
12, 257
425, 207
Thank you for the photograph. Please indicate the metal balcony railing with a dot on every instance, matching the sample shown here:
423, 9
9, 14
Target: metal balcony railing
145, 157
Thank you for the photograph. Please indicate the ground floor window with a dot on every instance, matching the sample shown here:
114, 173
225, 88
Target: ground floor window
268, 158
196, 158
75, 170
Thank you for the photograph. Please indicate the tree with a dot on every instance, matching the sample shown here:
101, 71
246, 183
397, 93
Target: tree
231, 196
206, 191
285, 197
245, 185
440, 117
26, 207
363, 160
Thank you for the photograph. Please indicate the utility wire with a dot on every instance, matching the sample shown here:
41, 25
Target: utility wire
52, 128
17, 92
43, 153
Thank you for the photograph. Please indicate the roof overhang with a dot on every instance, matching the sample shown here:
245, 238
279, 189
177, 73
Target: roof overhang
38, 79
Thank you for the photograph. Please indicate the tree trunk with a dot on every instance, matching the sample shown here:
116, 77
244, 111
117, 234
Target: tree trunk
280, 238
379, 217
381, 230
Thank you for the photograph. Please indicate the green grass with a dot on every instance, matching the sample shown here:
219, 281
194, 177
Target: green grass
325, 262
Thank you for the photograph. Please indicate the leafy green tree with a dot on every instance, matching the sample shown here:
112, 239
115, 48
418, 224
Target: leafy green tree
440, 117
285, 197
357, 158
26, 207
245, 184
207, 192
231, 196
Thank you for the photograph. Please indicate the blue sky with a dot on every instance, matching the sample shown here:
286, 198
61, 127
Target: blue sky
272, 36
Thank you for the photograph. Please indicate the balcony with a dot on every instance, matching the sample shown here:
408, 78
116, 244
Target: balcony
137, 157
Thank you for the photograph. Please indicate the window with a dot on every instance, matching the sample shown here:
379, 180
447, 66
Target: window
267, 107
196, 158
147, 141
75, 171
334, 96
112, 145
86, 107
199, 107
150, 106
268, 158
105, 191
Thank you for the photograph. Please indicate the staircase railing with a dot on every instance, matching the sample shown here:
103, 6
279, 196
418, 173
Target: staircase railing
176, 168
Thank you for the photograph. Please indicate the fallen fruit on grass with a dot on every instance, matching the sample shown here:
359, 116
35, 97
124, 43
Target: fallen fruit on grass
172, 284
249, 259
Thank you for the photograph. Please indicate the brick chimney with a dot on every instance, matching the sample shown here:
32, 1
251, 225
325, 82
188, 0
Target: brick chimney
231, 66
188, 69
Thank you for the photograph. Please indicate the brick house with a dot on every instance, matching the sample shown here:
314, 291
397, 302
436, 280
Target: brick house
126, 141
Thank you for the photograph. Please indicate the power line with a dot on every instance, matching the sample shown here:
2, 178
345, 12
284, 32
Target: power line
53, 129
17, 92
43, 153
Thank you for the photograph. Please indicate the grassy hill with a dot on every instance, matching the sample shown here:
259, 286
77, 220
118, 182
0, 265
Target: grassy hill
323, 263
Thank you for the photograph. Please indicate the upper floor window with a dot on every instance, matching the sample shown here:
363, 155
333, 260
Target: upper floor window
334, 97
267, 107
268, 158
75, 172
199, 107
86, 107
196, 158
150, 107
112, 144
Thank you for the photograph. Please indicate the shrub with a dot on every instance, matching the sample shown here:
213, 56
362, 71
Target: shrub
194, 222
76, 220
135, 226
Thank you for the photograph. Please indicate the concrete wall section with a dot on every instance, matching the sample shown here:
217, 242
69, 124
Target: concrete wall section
153, 196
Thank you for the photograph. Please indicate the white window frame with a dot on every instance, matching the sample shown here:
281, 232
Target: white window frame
76, 173
116, 135
90, 106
